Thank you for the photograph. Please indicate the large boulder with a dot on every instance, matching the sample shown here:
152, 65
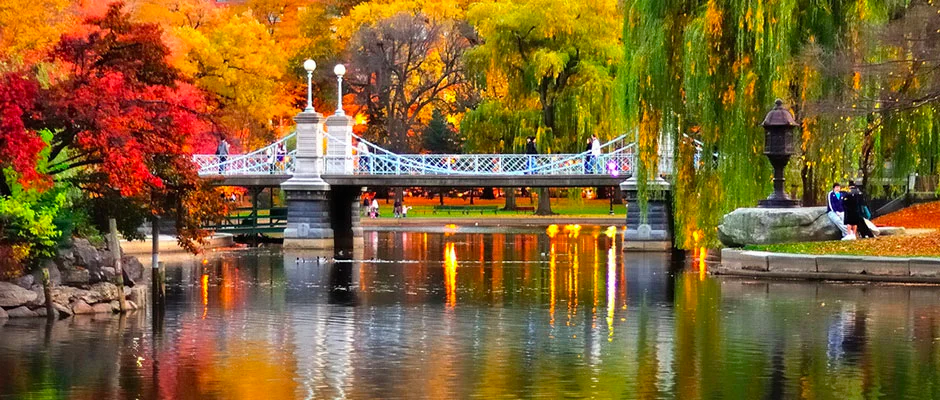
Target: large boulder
14, 296
67, 294
101, 292
25, 281
747, 226
22, 312
85, 254
75, 276
133, 270
40, 300
81, 307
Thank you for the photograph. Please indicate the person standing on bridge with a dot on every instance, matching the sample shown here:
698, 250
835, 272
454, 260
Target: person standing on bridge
595, 153
362, 150
589, 157
271, 154
222, 152
281, 152
530, 151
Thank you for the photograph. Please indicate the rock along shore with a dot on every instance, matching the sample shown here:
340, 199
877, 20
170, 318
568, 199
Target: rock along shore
81, 275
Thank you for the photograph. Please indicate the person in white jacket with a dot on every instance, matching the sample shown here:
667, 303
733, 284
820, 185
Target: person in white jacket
595, 153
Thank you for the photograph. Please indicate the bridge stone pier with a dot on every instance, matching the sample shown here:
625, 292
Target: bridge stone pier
320, 216
652, 230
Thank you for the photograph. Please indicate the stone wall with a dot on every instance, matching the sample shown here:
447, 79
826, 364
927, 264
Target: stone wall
82, 277
828, 267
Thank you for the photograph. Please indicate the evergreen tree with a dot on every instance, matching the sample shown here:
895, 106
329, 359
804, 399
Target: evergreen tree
439, 136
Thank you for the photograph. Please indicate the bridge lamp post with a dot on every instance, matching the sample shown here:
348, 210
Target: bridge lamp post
339, 70
309, 66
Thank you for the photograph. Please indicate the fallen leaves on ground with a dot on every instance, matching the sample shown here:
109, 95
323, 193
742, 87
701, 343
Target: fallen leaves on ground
926, 215
926, 245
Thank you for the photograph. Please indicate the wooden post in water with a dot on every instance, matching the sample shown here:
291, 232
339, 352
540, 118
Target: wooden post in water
156, 277
159, 285
51, 312
118, 265
155, 239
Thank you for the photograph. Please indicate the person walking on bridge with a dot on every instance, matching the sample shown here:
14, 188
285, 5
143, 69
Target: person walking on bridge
530, 152
589, 157
222, 152
595, 153
362, 150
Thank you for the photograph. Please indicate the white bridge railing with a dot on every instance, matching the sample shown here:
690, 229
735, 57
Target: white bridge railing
618, 159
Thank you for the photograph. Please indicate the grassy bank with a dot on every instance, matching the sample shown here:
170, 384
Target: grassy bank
924, 245
918, 217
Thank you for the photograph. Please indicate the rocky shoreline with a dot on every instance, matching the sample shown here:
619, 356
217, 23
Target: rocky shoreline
82, 279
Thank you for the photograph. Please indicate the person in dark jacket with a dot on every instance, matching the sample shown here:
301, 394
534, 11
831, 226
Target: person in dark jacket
530, 150
589, 158
862, 230
853, 209
834, 209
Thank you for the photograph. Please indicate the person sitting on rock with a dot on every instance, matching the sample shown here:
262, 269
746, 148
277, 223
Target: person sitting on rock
835, 209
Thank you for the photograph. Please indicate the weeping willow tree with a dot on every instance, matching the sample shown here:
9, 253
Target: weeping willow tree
886, 93
703, 73
547, 70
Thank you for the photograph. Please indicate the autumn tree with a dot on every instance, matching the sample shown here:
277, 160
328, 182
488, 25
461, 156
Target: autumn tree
556, 56
238, 62
886, 96
401, 66
123, 123
28, 28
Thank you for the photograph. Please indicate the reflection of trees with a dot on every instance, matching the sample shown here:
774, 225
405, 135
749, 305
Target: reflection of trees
717, 339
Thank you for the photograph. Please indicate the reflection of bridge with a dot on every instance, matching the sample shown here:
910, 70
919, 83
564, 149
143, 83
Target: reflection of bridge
323, 178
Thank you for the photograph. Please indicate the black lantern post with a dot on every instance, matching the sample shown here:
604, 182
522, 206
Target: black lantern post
778, 147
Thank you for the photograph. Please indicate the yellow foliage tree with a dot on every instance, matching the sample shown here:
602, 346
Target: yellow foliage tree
238, 61
28, 27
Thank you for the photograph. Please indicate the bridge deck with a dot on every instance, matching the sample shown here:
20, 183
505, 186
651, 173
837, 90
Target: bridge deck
271, 180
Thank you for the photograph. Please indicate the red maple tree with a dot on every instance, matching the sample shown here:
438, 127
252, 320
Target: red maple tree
121, 113
19, 147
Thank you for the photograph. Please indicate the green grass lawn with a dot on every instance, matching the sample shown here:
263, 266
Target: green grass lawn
561, 207
424, 208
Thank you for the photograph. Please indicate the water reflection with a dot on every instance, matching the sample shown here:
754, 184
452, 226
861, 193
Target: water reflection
468, 314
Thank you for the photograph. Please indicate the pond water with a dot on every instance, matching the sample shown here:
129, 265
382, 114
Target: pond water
468, 314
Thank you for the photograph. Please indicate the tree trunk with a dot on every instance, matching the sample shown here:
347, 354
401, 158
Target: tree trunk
471, 196
809, 188
510, 199
545, 203
488, 193
115, 246
868, 146
5, 189
600, 192
440, 195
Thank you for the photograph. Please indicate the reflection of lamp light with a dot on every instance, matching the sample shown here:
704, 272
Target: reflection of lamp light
450, 274
339, 70
309, 66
